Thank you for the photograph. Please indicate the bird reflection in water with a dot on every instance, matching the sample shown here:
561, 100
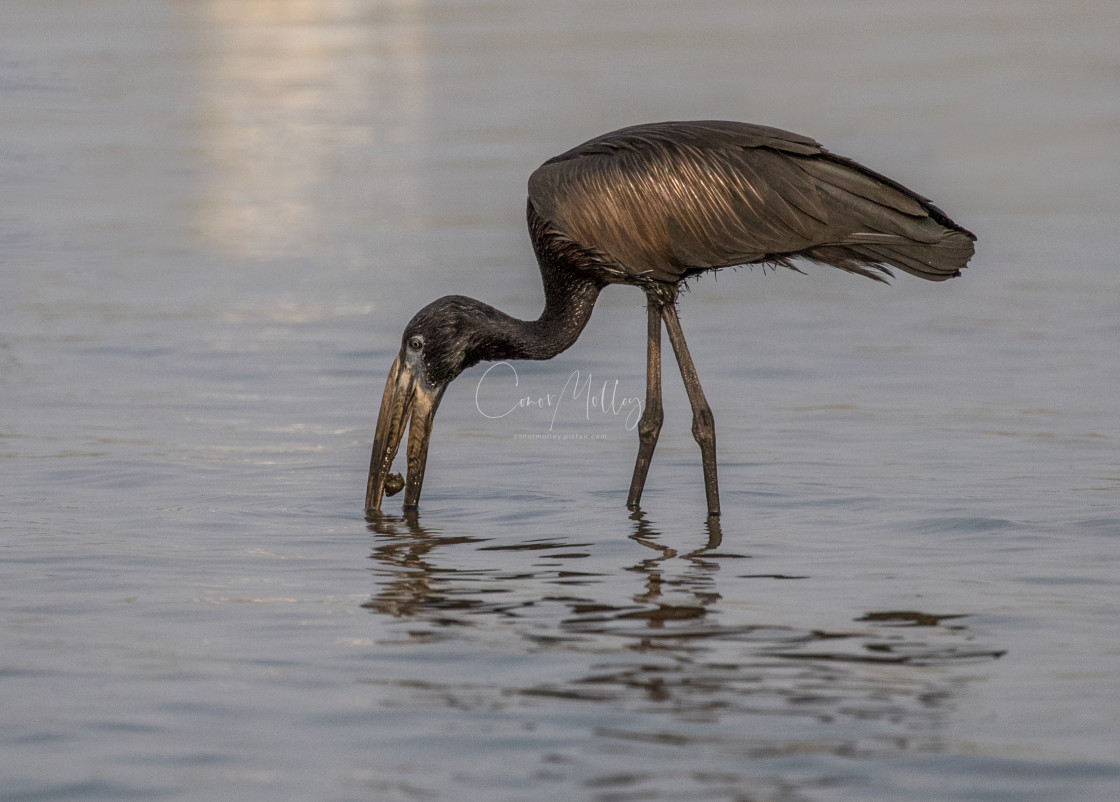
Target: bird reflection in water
669, 646
413, 586
698, 581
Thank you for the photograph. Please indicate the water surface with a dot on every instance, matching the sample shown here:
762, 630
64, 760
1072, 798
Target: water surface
217, 218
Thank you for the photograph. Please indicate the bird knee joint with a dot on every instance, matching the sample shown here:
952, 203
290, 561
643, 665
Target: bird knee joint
649, 425
704, 426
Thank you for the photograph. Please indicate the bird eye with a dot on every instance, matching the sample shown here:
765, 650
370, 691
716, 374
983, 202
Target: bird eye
415, 342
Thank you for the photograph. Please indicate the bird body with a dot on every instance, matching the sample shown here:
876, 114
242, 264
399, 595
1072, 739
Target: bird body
654, 205
669, 200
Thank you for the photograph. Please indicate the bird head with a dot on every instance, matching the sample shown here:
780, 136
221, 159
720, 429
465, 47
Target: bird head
439, 343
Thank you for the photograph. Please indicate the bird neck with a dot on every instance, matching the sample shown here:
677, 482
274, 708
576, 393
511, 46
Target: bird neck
569, 299
571, 282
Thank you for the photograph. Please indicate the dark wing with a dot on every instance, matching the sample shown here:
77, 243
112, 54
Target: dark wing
668, 200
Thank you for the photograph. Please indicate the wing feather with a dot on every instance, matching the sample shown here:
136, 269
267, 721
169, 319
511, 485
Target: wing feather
668, 200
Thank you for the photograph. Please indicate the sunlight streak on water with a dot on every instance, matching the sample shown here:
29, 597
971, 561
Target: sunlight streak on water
221, 214
291, 92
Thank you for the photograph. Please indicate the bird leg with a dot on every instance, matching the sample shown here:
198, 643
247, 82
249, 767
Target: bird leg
649, 425
703, 424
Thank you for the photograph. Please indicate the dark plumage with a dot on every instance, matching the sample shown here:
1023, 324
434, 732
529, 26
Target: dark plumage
670, 200
653, 205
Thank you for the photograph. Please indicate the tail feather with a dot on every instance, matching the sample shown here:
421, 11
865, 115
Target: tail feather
878, 223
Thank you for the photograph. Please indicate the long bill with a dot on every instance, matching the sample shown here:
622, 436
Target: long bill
408, 396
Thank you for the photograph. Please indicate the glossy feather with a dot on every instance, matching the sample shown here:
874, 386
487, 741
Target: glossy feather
665, 201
